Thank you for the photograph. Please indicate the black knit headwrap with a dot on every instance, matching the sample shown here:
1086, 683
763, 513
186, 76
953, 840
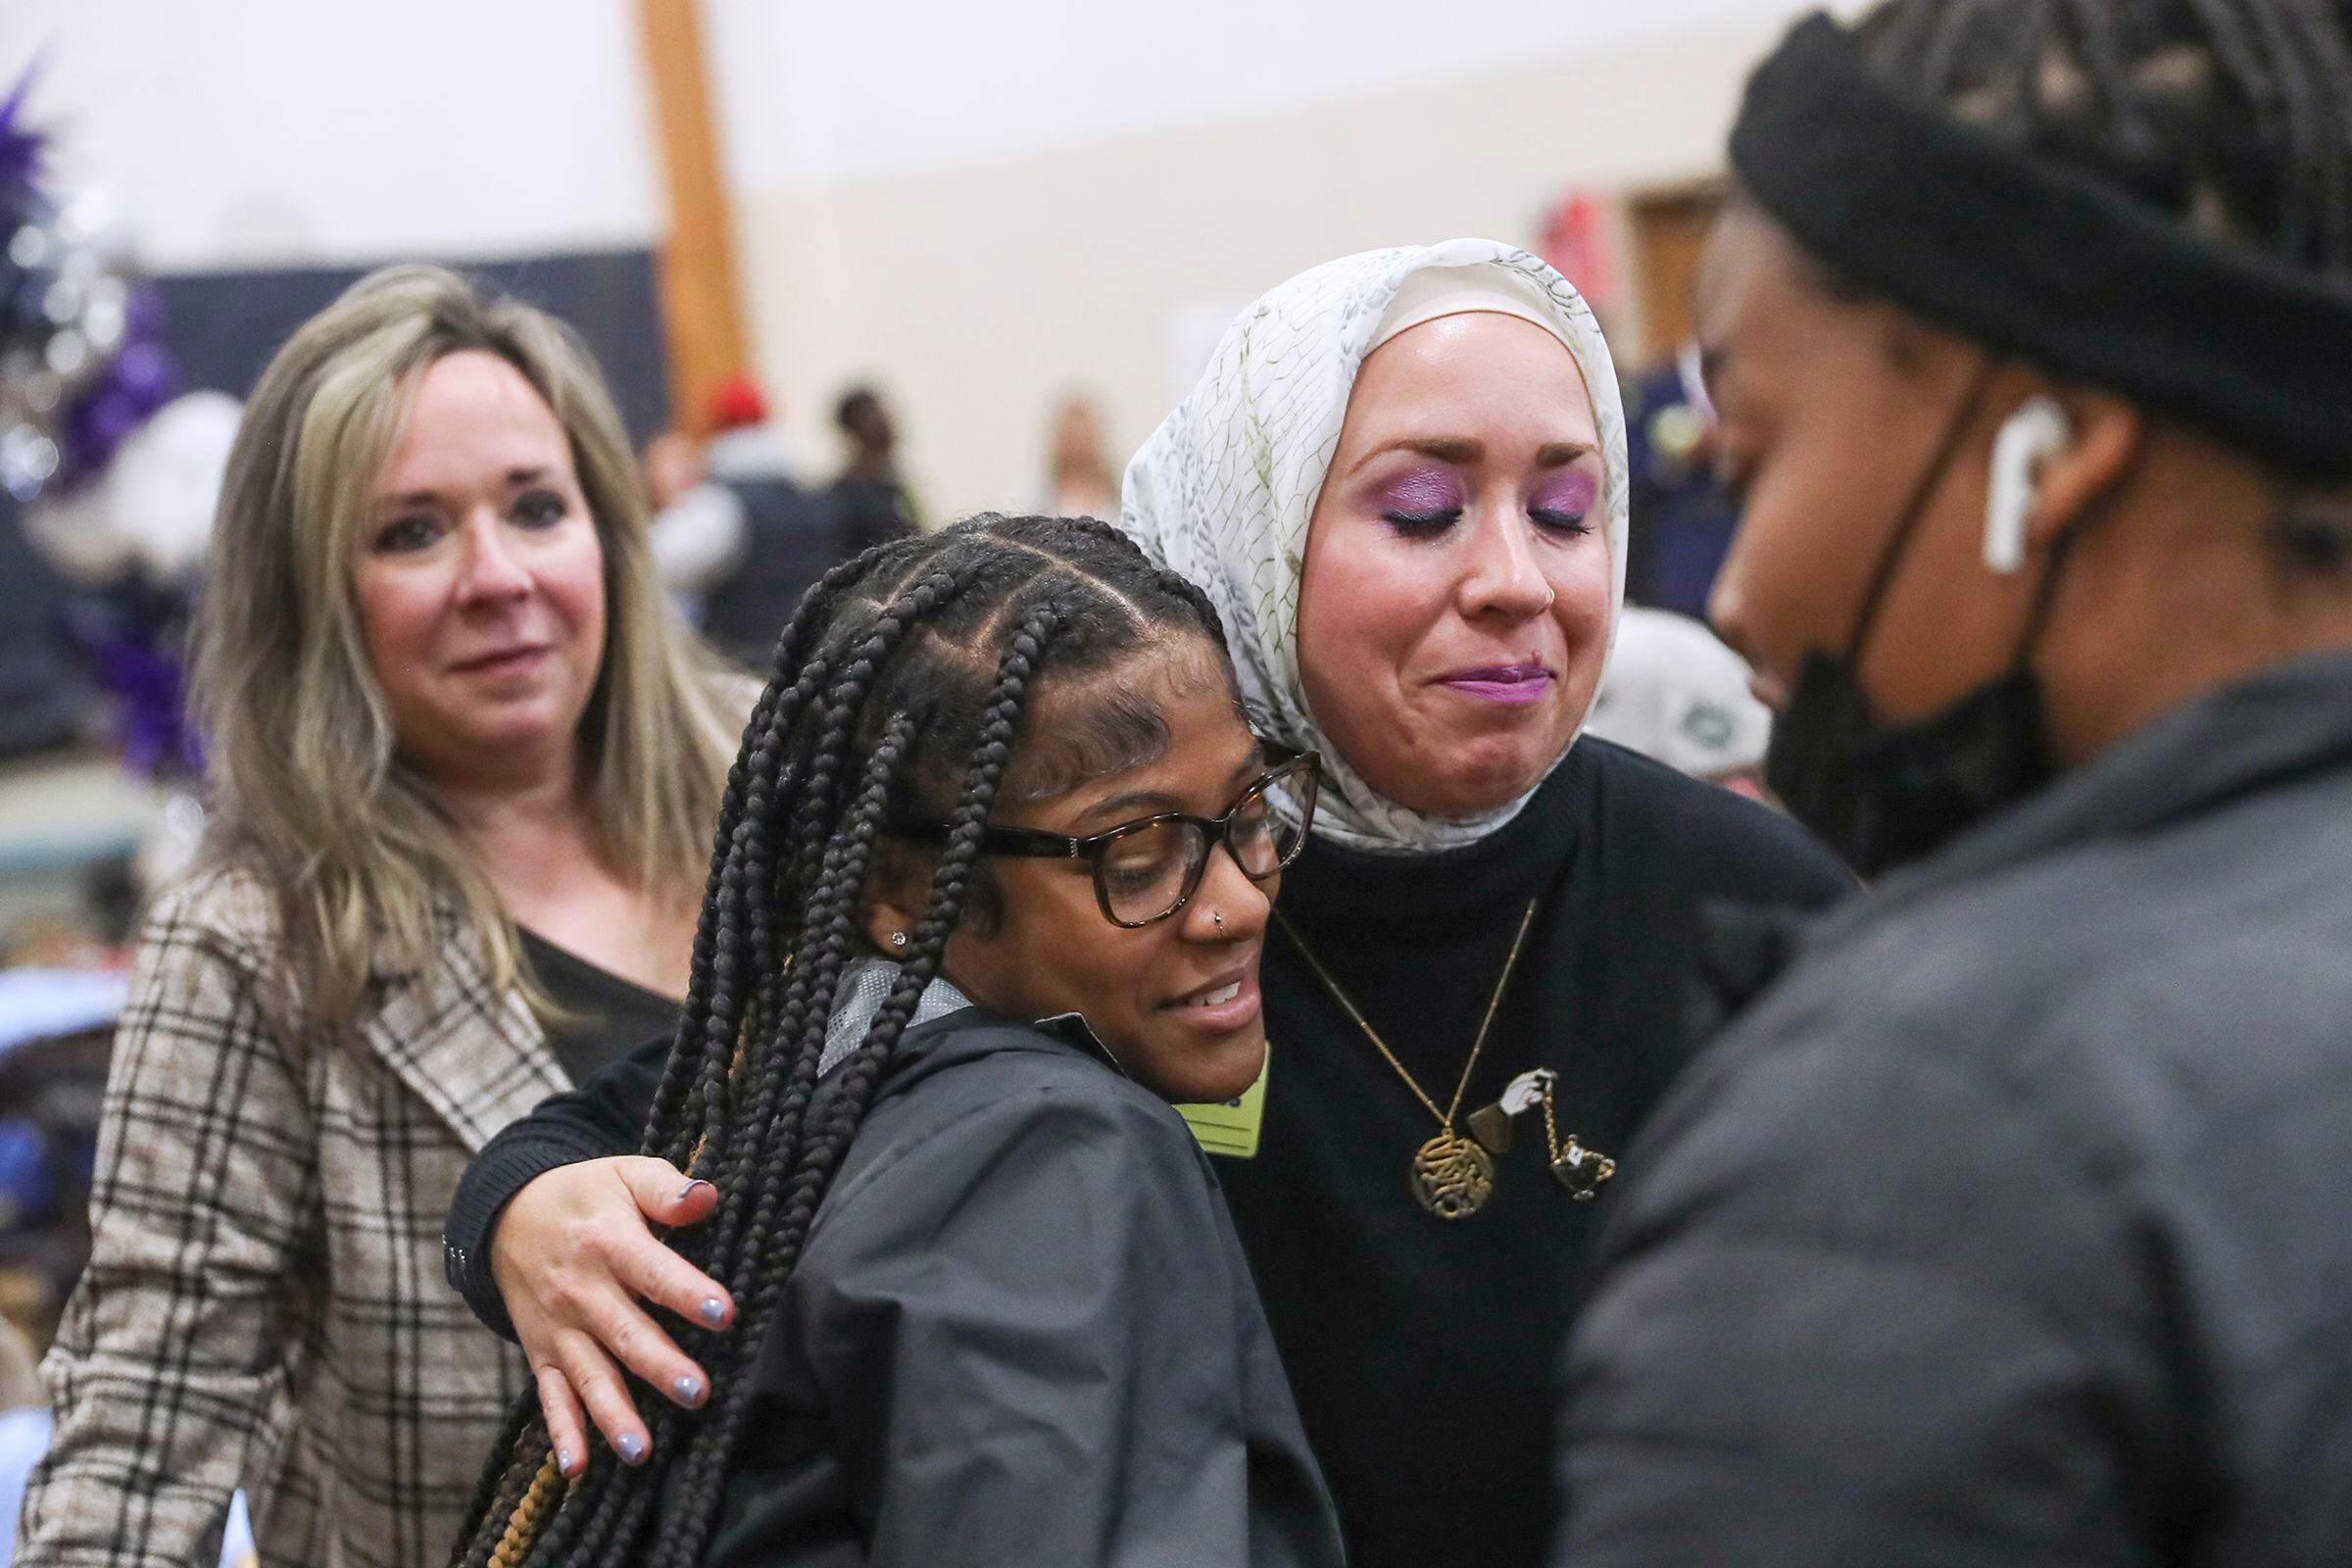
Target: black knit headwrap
2032, 258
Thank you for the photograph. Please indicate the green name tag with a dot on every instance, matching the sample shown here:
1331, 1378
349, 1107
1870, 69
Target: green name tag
1230, 1127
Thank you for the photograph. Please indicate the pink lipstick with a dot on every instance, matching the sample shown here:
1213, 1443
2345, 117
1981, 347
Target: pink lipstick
1510, 684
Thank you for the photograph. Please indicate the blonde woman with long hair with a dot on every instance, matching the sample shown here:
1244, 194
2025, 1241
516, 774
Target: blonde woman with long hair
464, 766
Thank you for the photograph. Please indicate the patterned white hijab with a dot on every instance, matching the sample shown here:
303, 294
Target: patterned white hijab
1223, 490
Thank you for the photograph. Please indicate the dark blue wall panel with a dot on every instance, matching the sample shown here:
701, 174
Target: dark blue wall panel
223, 326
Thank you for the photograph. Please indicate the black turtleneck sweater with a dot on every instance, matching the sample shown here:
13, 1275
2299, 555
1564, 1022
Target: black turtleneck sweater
1422, 1350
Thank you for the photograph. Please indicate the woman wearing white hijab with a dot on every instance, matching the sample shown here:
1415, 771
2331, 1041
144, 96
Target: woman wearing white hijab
1402, 482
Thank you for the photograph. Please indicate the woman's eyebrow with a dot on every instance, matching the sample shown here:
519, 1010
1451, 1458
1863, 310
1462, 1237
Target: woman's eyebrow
515, 479
1155, 801
1455, 448
1464, 451
1161, 799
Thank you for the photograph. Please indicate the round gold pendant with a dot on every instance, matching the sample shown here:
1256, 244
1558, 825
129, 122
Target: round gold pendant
1452, 1177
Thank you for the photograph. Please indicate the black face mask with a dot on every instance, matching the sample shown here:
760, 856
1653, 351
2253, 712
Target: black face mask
1882, 795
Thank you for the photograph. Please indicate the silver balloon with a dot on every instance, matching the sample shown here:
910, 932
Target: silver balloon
28, 459
62, 302
92, 220
106, 314
66, 320
31, 247
68, 357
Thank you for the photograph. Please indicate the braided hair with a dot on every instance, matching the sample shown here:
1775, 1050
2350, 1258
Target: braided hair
2232, 115
896, 694
2235, 116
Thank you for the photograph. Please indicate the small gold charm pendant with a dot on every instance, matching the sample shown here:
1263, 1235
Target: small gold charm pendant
1582, 1170
1452, 1177
1492, 1127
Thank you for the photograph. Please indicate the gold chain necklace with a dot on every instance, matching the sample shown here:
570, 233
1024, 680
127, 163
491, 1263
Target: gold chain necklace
1580, 1170
1452, 1176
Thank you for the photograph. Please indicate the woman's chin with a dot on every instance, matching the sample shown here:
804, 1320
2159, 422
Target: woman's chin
1474, 778
1212, 1077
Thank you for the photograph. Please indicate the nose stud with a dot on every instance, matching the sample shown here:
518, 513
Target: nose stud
1220, 919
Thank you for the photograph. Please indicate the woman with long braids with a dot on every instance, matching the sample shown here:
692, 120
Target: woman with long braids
2013, 1224
994, 879
1402, 482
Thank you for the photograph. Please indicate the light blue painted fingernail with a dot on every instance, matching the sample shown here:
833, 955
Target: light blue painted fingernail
713, 1310
689, 1390
631, 1447
564, 1461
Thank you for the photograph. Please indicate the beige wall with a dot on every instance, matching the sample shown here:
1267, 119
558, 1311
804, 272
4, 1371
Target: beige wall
287, 133
974, 294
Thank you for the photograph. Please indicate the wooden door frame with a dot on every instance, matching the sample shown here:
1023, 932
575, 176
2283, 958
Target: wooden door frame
702, 301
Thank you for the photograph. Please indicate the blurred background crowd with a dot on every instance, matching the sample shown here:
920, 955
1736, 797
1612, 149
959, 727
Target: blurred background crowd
373, 654
849, 271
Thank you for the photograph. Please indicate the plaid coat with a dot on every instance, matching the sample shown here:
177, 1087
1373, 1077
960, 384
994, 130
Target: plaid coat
265, 1305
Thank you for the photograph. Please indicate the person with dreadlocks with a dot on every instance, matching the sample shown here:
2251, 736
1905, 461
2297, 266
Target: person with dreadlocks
2009, 1225
995, 872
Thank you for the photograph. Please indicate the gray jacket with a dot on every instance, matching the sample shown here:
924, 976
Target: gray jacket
2014, 1226
1024, 1332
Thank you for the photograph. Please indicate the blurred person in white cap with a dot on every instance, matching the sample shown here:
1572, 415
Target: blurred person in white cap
1676, 694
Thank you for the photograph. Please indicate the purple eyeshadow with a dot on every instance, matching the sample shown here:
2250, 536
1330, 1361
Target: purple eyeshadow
1572, 491
1421, 491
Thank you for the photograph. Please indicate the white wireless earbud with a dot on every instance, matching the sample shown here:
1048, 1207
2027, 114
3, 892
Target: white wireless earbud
2035, 433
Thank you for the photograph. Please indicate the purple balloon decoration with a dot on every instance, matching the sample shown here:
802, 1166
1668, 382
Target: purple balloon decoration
106, 408
145, 677
20, 148
124, 397
142, 311
143, 370
137, 658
